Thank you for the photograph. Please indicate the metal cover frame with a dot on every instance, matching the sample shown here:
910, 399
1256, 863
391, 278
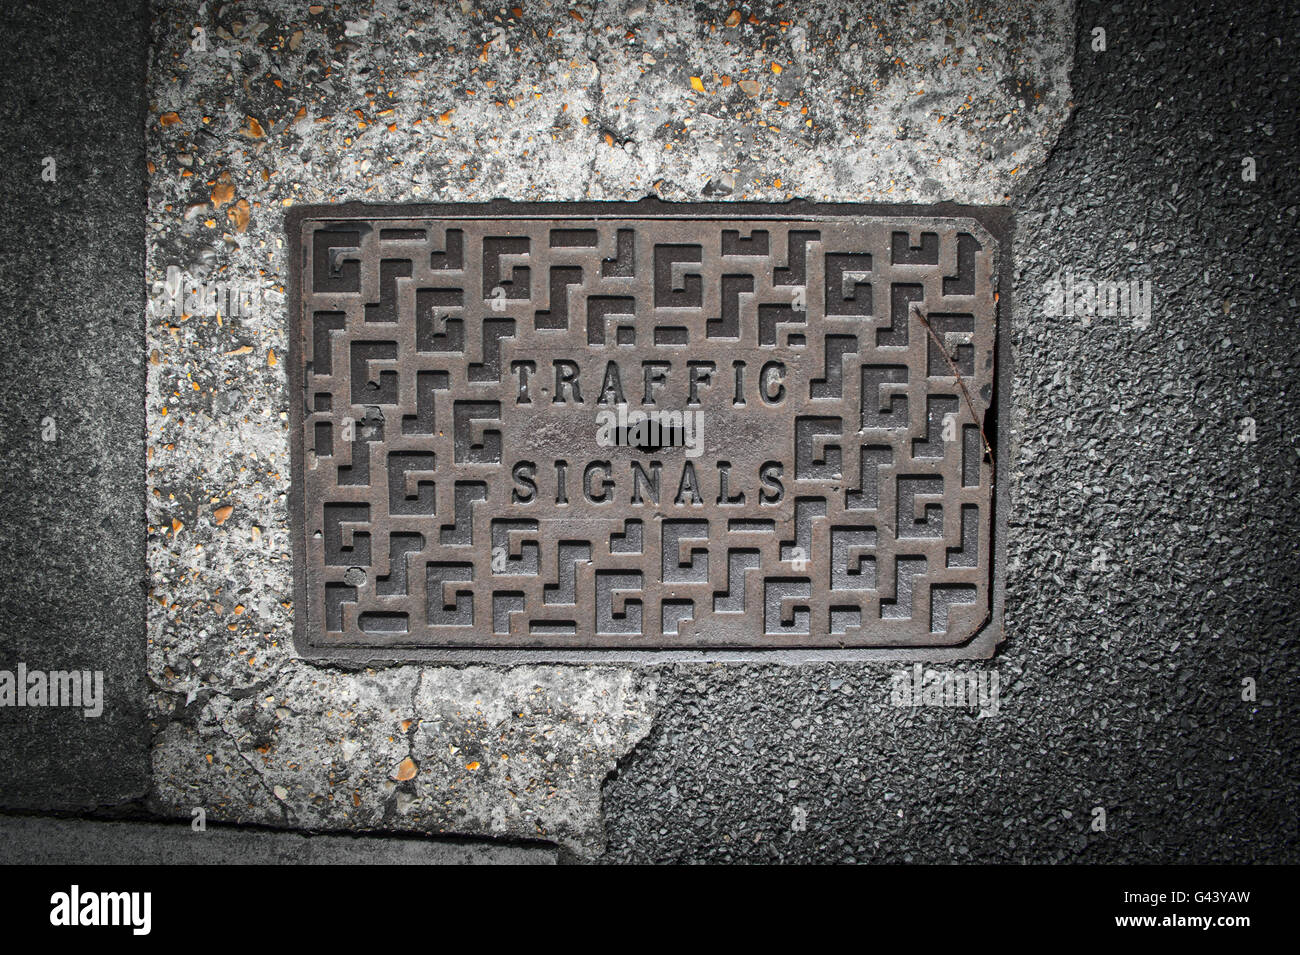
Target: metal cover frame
997, 221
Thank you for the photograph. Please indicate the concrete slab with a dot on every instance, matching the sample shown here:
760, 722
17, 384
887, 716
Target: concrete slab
277, 106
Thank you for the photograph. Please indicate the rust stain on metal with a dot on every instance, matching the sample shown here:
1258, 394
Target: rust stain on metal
591, 431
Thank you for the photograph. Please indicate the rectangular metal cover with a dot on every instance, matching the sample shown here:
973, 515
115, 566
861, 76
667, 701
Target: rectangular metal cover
524, 431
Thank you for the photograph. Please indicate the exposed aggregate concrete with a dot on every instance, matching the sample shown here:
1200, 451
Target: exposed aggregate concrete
287, 105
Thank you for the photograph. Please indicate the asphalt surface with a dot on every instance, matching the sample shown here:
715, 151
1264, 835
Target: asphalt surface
32, 841
1121, 688
1151, 550
71, 388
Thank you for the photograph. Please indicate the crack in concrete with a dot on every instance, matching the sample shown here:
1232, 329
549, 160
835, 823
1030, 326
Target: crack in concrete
259, 774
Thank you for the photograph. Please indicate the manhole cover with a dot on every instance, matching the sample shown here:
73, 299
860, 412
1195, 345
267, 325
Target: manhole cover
602, 430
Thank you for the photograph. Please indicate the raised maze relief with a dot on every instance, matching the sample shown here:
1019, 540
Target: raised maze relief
643, 433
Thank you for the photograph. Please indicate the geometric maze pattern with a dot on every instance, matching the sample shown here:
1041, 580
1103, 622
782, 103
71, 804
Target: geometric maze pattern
453, 490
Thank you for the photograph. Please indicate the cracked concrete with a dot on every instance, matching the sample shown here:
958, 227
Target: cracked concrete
375, 101
517, 752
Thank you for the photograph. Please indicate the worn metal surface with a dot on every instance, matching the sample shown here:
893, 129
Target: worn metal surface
638, 427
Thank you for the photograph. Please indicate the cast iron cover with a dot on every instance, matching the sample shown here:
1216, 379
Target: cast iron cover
607, 430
